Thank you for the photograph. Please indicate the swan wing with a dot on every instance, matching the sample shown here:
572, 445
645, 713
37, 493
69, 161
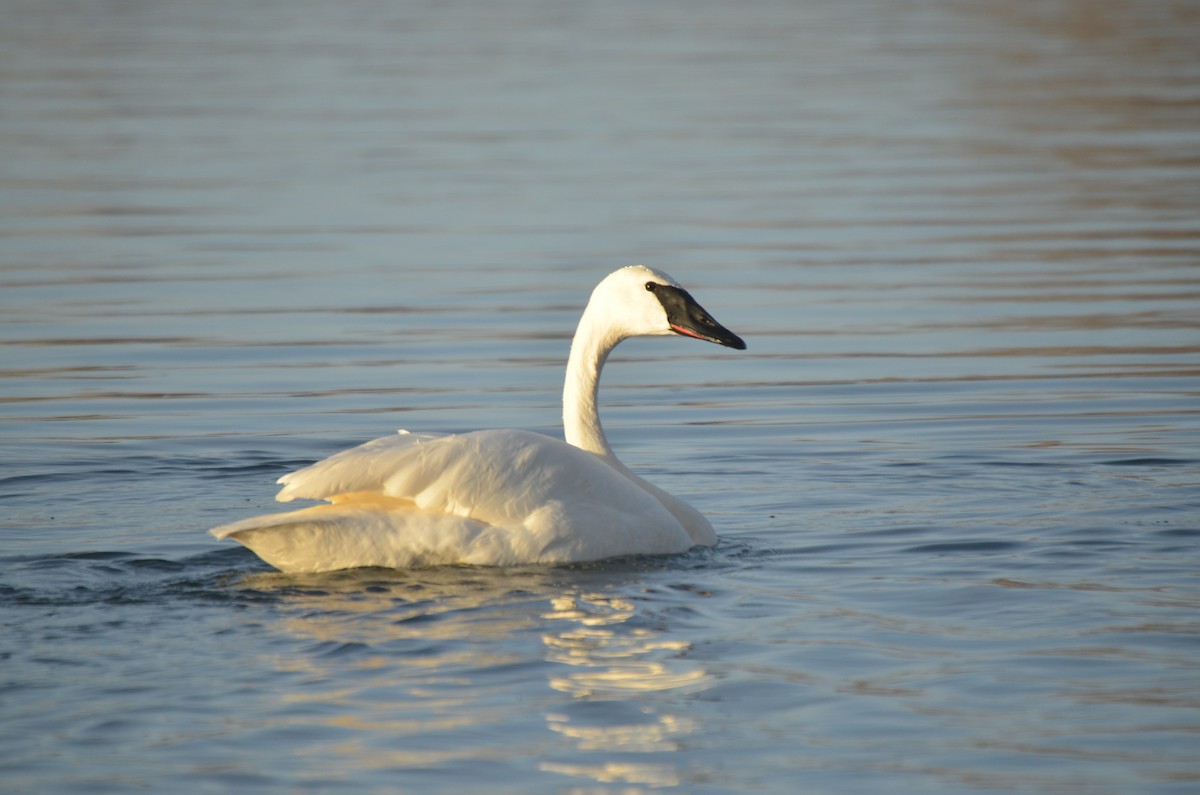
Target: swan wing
365, 468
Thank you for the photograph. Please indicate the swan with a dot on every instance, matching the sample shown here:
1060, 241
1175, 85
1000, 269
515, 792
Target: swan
499, 497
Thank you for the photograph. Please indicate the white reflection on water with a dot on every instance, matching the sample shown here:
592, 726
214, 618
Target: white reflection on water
615, 663
620, 773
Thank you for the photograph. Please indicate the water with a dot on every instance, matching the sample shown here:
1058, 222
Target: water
955, 474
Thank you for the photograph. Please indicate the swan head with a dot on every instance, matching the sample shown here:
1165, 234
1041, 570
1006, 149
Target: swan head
643, 302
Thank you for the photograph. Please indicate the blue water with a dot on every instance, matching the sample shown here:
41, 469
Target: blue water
956, 474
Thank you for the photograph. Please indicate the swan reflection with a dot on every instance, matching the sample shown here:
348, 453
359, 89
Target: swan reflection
444, 668
611, 657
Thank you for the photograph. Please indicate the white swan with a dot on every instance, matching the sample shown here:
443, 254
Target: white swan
500, 497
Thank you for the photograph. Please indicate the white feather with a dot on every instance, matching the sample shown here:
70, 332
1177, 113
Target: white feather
498, 497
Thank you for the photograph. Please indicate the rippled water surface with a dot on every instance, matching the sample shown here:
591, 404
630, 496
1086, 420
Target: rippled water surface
956, 474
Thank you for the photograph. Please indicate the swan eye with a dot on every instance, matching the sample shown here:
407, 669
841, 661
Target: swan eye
651, 286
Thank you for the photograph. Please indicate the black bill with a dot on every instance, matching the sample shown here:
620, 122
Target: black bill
688, 318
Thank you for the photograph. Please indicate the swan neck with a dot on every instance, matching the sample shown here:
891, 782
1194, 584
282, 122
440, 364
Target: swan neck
581, 416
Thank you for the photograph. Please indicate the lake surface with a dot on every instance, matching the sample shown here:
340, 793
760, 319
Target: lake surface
956, 474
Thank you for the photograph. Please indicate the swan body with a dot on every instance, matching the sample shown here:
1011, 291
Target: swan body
498, 497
